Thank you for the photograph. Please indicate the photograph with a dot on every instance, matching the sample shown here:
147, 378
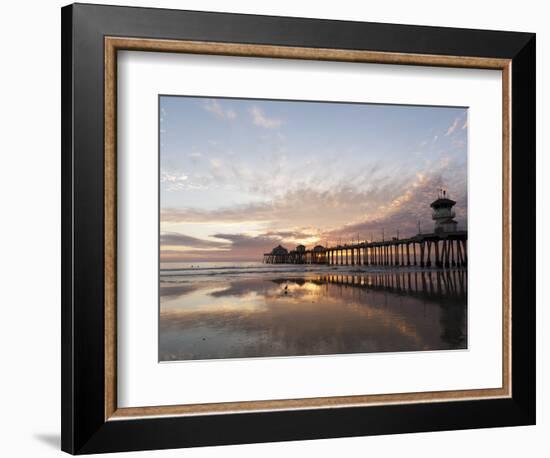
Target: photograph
305, 228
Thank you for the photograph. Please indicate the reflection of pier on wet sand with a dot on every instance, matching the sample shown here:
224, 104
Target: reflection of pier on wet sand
434, 284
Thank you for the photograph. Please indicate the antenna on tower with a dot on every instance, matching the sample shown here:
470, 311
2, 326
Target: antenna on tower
419, 226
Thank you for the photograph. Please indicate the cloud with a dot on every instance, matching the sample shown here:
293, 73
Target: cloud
260, 119
230, 246
291, 234
305, 206
174, 181
453, 127
216, 108
410, 208
215, 163
236, 247
317, 210
364, 222
181, 240
247, 241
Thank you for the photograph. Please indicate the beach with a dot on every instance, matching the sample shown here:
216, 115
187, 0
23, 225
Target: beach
249, 309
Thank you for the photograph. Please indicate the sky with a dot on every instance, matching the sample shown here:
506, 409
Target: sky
241, 176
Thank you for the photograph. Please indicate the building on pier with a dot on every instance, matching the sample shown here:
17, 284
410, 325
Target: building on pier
318, 255
278, 255
443, 213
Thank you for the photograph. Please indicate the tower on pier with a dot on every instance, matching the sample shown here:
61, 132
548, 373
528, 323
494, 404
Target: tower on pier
443, 213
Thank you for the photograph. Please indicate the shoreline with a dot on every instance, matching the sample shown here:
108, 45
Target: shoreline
292, 269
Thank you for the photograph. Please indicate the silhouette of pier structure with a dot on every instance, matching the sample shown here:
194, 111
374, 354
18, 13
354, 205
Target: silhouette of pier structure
427, 285
445, 247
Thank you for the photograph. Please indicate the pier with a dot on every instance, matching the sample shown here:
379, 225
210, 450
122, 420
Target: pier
445, 247
425, 250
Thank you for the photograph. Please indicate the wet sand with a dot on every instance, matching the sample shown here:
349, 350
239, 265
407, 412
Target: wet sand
312, 313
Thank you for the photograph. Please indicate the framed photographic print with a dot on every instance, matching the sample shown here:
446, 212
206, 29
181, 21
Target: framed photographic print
281, 228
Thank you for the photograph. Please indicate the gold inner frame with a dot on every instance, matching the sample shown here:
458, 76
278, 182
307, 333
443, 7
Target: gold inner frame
114, 44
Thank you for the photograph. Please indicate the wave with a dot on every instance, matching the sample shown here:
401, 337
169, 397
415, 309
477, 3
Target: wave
200, 268
234, 271
231, 271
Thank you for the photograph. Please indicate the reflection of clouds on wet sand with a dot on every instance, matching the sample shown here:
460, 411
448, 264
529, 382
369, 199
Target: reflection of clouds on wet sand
173, 291
314, 315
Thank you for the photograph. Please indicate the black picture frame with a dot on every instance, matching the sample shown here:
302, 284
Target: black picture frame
84, 428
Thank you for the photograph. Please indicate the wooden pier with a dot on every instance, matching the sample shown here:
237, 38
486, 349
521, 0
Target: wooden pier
442, 250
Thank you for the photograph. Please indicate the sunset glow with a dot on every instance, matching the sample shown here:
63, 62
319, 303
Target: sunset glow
240, 176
